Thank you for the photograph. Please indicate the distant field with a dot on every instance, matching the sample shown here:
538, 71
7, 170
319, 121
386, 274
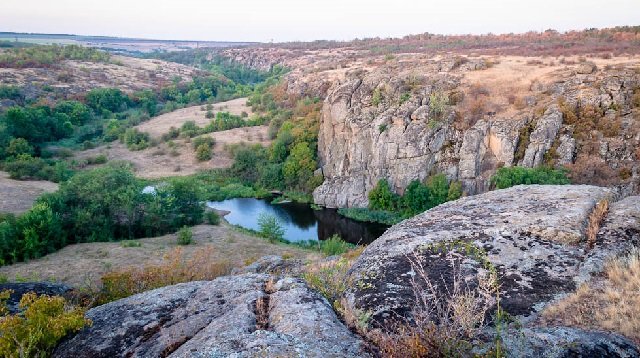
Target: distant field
115, 43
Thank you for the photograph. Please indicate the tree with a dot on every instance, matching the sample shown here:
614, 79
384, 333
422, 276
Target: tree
416, 198
382, 198
19, 146
111, 99
299, 167
438, 189
270, 227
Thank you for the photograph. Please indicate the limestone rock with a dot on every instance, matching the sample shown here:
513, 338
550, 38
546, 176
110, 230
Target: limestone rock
239, 316
586, 68
533, 235
543, 137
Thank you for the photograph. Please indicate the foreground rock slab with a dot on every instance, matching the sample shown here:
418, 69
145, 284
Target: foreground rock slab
238, 316
533, 235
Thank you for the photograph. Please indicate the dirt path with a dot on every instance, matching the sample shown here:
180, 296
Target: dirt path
83, 264
159, 125
17, 196
162, 160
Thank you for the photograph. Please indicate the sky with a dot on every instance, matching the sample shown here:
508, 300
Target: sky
306, 20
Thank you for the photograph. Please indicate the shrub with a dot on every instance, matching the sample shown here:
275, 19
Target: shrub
130, 243
382, 128
270, 227
212, 217
509, 176
36, 332
334, 246
438, 104
203, 152
208, 141
185, 236
373, 216
444, 321
135, 140
209, 115
376, 97
330, 279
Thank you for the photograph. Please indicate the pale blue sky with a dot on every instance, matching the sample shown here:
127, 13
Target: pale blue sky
288, 20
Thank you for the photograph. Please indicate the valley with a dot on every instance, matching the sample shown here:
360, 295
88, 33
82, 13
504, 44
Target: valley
430, 195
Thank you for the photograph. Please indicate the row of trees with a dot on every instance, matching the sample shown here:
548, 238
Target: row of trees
418, 196
49, 55
99, 205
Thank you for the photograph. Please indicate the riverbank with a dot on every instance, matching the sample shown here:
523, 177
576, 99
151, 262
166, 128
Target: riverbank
80, 265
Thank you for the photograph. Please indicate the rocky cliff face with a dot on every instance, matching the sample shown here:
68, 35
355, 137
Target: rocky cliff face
407, 121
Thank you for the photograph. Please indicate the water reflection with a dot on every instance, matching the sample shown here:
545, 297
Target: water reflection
299, 220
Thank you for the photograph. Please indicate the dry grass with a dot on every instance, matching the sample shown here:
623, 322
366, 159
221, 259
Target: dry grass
160, 125
596, 217
444, 322
83, 264
163, 160
611, 304
176, 267
78, 77
18, 196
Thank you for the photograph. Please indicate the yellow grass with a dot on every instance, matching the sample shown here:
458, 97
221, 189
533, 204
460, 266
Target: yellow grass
612, 304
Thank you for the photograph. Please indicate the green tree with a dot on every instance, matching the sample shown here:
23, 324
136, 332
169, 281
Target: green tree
19, 146
299, 167
270, 227
416, 198
381, 197
438, 189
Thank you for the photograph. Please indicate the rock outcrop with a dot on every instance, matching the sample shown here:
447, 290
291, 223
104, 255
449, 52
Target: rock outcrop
239, 316
534, 236
568, 342
380, 124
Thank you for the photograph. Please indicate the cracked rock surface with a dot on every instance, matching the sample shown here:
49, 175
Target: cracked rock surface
235, 316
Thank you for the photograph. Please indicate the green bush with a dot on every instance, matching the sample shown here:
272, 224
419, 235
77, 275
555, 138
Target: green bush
212, 217
185, 236
203, 152
334, 246
270, 227
103, 204
510, 176
27, 167
208, 141
136, 140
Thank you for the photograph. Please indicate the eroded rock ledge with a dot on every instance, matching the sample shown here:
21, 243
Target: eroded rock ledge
241, 316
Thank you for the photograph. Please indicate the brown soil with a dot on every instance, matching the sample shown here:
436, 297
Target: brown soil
18, 196
160, 125
83, 264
